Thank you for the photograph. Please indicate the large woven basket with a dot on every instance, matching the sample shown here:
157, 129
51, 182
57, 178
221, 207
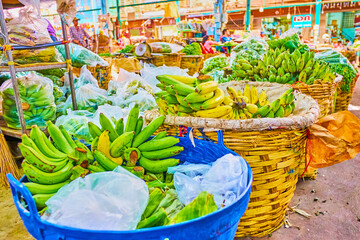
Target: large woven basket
273, 148
210, 55
342, 99
167, 59
323, 93
191, 62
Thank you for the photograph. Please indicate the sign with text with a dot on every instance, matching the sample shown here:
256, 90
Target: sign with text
301, 21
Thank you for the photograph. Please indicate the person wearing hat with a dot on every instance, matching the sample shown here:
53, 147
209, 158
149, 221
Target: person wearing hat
78, 34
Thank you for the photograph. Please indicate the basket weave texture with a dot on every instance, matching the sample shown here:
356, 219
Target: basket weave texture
102, 75
343, 99
167, 59
323, 93
274, 154
191, 62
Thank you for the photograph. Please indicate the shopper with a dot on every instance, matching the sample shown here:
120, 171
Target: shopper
226, 36
208, 43
348, 44
338, 45
51, 31
78, 34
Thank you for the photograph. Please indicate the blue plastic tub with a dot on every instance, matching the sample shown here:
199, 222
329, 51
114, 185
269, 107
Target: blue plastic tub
221, 224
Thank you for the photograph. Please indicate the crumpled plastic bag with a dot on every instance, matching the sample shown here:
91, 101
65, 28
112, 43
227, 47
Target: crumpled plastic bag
226, 180
333, 139
149, 74
85, 78
100, 201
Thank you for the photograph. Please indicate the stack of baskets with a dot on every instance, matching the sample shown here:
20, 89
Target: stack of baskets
191, 62
343, 98
273, 148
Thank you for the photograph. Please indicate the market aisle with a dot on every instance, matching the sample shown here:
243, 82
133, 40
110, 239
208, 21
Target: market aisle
336, 189
336, 201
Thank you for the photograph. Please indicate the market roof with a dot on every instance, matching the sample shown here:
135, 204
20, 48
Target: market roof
11, 4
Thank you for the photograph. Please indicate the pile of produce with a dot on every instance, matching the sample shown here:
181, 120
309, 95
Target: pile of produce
201, 97
127, 49
36, 94
215, 63
340, 65
192, 49
250, 50
281, 66
291, 43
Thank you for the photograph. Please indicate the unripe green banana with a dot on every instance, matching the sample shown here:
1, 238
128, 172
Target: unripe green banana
106, 124
180, 99
139, 125
120, 142
290, 98
170, 99
287, 110
157, 166
132, 119
119, 127
280, 112
104, 161
36, 188
197, 98
38, 176
30, 143
275, 105
155, 198
58, 138
158, 144
160, 135
148, 131
270, 114
263, 111
163, 153
40, 199
94, 130
67, 137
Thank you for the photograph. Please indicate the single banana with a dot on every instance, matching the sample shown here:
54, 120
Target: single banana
36, 188
275, 105
40, 199
214, 112
94, 130
132, 119
184, 79
67, 137
163, 153
148, 131
247, 91
254, 95
232, 93
59, 140
119, 126
252, 108
106, 124
158, 144
158, 166
197, 98
262, 98
117, 146
215, 101
104, 161
206, 87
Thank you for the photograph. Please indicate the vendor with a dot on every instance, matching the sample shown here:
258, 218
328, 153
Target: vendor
226, 36
78, 35
207, 43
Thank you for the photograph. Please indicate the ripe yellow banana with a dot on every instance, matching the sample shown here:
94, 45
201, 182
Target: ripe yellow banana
228, 116
247, 91
263, 98
248, 114
184, 79
206, 87
252, 108
104, 147
242, 114
214, 112
239, 93
197, 97
228, 101
232, 93
215, 101
254, 95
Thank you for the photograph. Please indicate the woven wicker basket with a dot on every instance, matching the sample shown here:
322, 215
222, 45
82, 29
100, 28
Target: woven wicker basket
167, 59
191, 62
323, 93
274, 156
343, 99
102, 75
210, 55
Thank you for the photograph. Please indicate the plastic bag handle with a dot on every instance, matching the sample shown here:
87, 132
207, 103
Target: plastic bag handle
18, 189
219, 133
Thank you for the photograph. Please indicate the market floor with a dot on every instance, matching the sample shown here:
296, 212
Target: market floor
332, 200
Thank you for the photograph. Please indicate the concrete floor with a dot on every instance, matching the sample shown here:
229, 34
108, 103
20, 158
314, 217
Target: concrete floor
334, 216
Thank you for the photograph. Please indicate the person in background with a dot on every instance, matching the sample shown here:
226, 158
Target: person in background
348, 44
207, 42
338, 45
78, 34
226, 36
51, 31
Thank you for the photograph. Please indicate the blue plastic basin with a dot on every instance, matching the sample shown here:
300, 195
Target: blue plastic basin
221, 224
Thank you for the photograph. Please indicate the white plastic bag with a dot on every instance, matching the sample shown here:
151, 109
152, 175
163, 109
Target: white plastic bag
100, 201
226, 180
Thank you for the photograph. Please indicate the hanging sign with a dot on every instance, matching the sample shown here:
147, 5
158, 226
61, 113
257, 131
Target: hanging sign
301, 21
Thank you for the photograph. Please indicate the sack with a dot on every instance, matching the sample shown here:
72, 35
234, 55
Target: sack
36, 94
333, 139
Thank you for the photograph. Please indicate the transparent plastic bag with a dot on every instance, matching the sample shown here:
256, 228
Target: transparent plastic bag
226, 180
191, 170
36, 94
143, 98
111, 112
100, 201
88, 97
215, 63
85, 78
81, 56
164, 47
149, 73
253, 48
76, 124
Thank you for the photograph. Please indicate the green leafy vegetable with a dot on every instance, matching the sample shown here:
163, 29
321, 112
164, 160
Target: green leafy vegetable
192, 49
215, 63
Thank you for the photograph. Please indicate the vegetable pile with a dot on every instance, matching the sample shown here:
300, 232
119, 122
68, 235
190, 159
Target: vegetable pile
192, 49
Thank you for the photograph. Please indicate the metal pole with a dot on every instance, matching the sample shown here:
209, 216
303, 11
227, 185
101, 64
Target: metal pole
118, 13
178, 7
12, 73
68, 58
248, 14
317, 20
